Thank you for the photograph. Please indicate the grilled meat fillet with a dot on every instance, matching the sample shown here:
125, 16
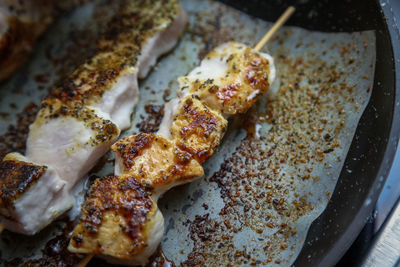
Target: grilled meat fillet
79, 121
230, 78
21, 184
119, 210
197, 129
192, 128
155, 161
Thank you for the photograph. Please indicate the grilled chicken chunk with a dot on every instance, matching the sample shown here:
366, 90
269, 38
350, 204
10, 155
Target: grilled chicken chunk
230, 78
23, 182
155, 161
117, 211
197, 129
192, 128
69, 139
79, 121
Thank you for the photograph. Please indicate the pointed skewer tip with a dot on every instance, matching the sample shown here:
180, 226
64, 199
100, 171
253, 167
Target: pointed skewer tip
282, 19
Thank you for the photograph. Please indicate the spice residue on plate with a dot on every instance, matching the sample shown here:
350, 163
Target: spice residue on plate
259, 182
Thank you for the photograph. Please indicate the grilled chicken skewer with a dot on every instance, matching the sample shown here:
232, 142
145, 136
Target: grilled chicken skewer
121, 221
80, 120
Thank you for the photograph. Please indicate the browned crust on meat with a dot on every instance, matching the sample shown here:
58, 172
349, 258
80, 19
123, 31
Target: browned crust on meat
15, 178
197, 129
125, 198
201, 123
184, 169
105, 130
257, 72
118, 50
232, 96
156, 161
131, 147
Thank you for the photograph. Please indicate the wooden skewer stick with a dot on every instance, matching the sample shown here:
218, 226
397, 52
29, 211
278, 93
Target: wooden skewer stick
282, 19
85, 260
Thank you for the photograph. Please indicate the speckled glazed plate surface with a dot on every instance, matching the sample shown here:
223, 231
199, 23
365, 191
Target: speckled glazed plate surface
278, 165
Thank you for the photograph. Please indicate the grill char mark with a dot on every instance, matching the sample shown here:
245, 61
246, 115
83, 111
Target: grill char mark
16, 177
